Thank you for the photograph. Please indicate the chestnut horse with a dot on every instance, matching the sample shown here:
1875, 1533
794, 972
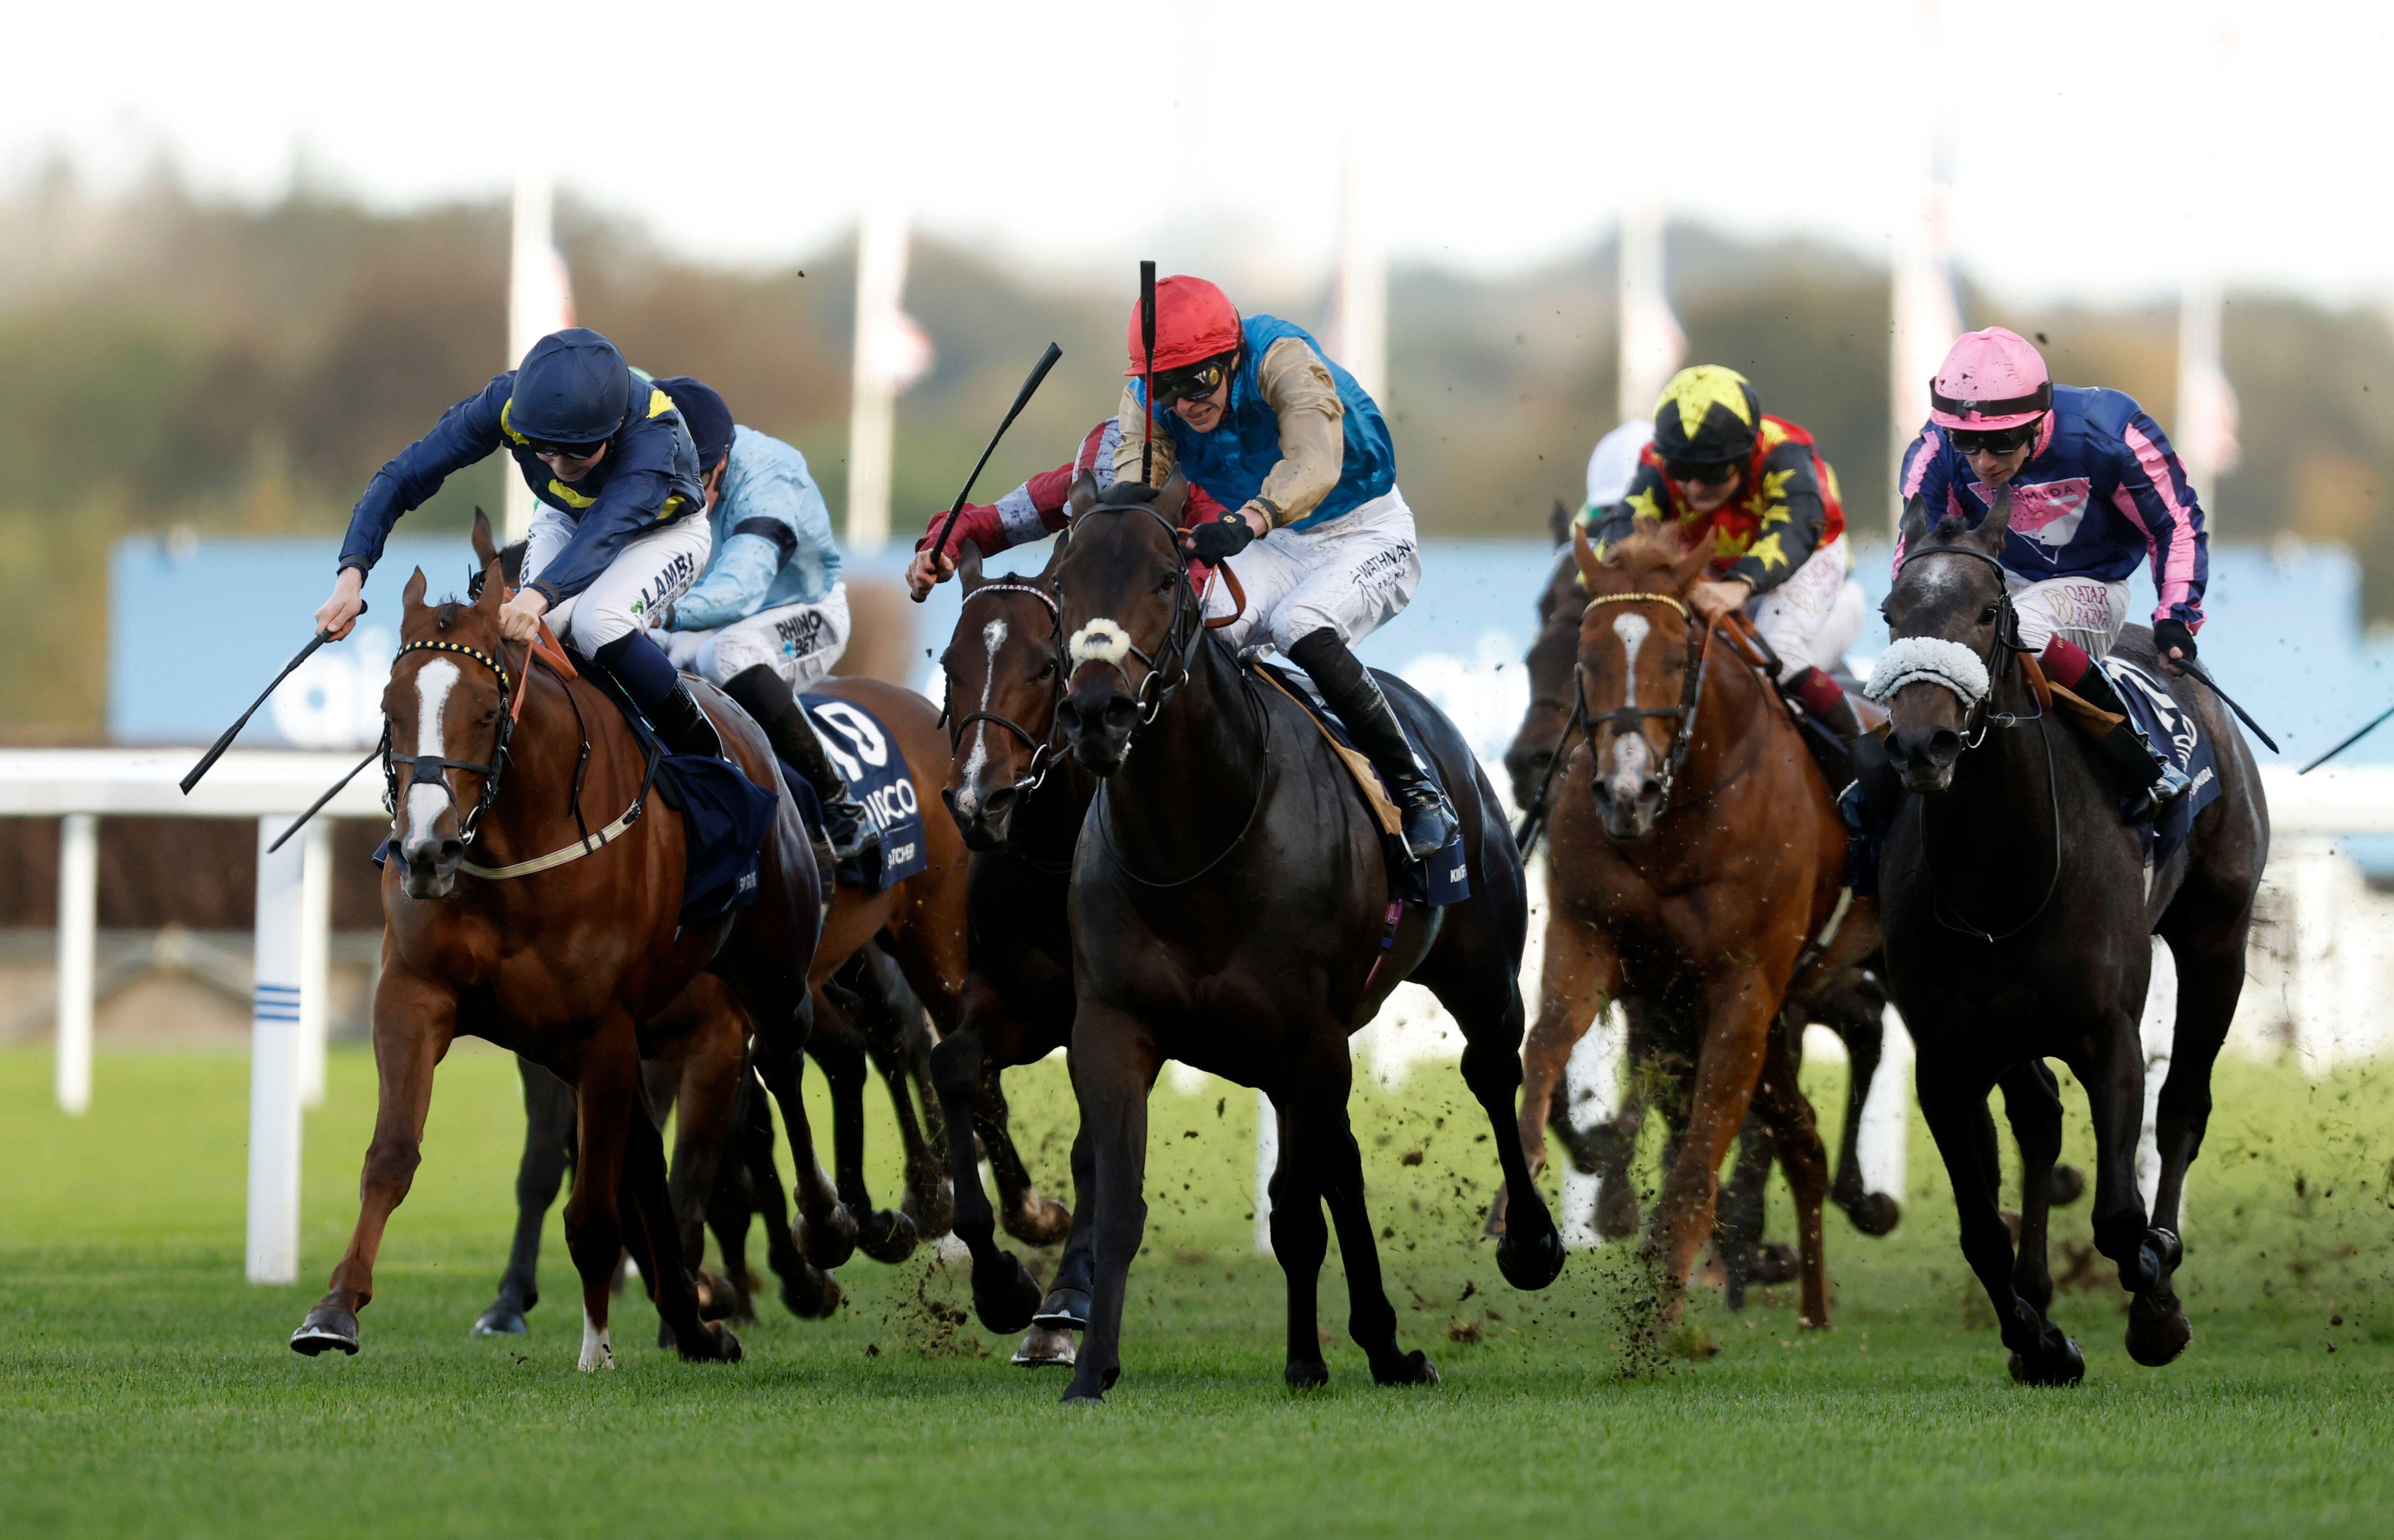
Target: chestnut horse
1696, 851
1231, 909
569, 964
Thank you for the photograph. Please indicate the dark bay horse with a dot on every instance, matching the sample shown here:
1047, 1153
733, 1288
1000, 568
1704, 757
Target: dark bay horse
1691, 866
570, 965
2019, 911
1020, 801
1230, 908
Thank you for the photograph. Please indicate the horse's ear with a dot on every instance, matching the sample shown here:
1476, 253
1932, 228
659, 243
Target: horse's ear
1558, 524
1584, 554
1692, 562
486, 550
1989, 535
411, 597
1914, 526
969, 566
1173, 498
1083, 496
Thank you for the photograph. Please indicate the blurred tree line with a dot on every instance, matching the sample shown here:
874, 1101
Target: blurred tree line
170, 363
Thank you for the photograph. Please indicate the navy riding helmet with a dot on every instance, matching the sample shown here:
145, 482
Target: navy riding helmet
708, 419
573, 389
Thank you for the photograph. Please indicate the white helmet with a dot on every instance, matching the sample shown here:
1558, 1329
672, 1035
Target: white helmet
1614, 464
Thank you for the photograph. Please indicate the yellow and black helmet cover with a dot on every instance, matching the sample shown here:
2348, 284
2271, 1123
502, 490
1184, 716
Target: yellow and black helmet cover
1707, 414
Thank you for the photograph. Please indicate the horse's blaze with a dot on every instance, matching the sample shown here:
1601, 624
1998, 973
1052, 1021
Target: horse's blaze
426, 803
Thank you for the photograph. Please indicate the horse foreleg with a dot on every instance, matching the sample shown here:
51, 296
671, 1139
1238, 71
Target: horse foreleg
706, 1099
2112, 1069
1114, 1061
1857, 1016
653, 1234
1797, 1135
413, 1022
2033, 1107
547, 1151
1299, 1240
1005, 1294
1738, 1008
1579, 974
1029, 1218
1953, 1103
1371, 1320
838, 1047
827, 1235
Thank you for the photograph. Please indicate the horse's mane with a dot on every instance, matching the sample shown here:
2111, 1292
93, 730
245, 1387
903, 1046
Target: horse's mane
1648, 555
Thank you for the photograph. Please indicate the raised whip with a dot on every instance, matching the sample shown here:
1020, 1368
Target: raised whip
1023, 399
216, 749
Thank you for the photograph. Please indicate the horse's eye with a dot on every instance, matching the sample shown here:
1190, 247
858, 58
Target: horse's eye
1987, 615
1047, 668
489, 715
1163, 585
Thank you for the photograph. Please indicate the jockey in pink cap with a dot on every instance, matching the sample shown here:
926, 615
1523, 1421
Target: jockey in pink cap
2096, 489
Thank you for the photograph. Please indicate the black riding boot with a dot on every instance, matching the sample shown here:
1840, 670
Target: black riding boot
2152, 781
639, 666
1355, 696
766, 696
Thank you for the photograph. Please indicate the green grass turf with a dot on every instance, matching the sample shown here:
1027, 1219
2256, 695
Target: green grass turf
145, 1388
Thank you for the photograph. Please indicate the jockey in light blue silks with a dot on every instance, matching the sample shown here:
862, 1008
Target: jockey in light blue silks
1256, 414
769, 618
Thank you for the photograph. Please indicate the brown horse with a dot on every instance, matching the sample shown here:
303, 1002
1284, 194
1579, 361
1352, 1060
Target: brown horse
1696, 850
569, 964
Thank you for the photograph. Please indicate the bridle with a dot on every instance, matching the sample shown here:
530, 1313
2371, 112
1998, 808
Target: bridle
430, 769
2005, 646
1044, 754
1628, 719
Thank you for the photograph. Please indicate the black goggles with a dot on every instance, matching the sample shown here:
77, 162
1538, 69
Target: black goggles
1198, 379
1992, 440
564, 451
1710, 473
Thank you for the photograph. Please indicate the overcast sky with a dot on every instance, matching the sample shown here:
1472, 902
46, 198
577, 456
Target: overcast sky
2097, 146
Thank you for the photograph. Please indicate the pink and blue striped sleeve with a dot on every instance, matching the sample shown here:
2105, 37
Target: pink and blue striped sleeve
1924, 476
2155, 493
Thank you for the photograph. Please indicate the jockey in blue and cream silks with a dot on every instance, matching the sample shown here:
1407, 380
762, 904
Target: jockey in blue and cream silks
621, 531
1254, 411
769, 618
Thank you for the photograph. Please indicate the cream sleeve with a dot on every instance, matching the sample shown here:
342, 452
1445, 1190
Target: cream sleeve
1297, 386
1133, 417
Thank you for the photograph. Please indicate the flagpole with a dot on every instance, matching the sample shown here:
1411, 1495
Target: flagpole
1651, 342
1926, 315
1362, 333
2204, 430
873, 413
532, 301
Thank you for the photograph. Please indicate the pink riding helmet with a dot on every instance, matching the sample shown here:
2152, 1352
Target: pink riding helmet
1991, 379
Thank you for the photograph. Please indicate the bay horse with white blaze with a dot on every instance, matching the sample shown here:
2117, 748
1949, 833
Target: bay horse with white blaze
2019, 911
569, 963
1231, 909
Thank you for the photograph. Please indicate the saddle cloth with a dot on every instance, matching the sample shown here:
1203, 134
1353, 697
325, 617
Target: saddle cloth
865, 753
2174, 731
1445, 876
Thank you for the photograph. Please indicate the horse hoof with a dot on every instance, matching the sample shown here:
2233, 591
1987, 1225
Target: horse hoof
1616, 1211
2167, 1245
1044, 1348
1774, 1262
1042, 1224
831, 1242
2068, 1186
709, 1344
811, 1294
1005, 1294
1530, 1261
1084, 1398
499, 1320
2065, 1365
721, 1299
1874, 1212
1064, 1310
1413, 1368
1306, 1374
2158, 1332
327, 1327
888, 1237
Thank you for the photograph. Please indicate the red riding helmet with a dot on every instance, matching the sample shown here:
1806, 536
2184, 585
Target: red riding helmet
1194, 320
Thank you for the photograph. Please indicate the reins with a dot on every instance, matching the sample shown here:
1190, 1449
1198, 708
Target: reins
1043, 754
1628, 719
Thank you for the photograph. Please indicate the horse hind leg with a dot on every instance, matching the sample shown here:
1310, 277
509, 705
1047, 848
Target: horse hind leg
547, 1152
1737, 1221
1300, 1241
806, 1291
1857, 1014
1114, 1061
653, 1234
2033, 1107
1371, 1320
1005, 1294
1476, 979
827, 1232
1795, 1134
883, 1235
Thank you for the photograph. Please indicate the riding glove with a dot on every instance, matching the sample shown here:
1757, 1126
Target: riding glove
1218, 539
2170, 632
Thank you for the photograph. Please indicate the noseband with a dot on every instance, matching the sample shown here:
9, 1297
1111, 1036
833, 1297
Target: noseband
427, 769
1970, 676
1628, 719
1152, 692
1043, 754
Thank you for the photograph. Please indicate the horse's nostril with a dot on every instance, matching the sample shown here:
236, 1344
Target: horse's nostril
1944, 744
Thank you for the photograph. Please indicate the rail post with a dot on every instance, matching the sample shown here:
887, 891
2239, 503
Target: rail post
78, 944
274, 1060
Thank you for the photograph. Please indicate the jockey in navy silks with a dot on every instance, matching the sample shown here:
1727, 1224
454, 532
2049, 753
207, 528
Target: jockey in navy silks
2095, 490
1321, 541
769, 618
622, 529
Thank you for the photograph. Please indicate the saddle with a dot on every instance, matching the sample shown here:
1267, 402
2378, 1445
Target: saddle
864, 752
1442, 878
1833, 754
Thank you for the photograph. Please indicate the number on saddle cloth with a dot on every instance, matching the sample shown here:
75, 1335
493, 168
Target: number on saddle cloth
2172, 730
1445, 876
863, 749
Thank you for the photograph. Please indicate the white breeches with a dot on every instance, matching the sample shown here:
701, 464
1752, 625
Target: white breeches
2087, 610
647, 575
1353, 575
1811, 619
800, 642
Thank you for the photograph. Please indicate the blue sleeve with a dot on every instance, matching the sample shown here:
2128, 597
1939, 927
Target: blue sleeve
636, 498
466, 433
734, 587
2152, 490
